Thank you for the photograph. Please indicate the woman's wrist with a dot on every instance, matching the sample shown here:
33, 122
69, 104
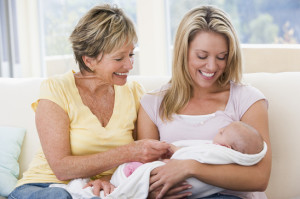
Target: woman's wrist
190, 168
128, 152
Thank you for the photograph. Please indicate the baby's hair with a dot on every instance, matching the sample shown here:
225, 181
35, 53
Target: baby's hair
256, 144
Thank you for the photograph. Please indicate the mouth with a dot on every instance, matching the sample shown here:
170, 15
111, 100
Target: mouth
207, 75
121, 74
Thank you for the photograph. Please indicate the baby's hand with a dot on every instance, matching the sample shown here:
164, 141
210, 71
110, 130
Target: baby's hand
172, 149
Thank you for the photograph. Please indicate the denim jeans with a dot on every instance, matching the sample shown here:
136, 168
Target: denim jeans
221, 196
39, 190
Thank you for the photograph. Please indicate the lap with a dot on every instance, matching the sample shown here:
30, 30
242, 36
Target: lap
39, 190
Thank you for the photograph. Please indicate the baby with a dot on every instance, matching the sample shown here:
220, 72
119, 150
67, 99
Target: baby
241, 137
238, 136
236, 143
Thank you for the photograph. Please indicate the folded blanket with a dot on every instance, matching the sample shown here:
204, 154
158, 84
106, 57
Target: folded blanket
137, 184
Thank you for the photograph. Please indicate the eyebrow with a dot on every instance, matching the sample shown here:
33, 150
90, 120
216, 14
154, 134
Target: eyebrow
224, 52
122, 52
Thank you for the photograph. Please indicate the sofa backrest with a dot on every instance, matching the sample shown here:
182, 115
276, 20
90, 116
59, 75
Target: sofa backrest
281, 89
17, 94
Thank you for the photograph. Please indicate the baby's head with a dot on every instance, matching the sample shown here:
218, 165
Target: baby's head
240, 137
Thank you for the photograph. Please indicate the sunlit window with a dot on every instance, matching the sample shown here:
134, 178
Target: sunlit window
9, 46
59, 18
256, 21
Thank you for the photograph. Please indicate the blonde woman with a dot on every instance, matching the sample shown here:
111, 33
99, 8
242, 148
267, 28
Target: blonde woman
85, 120
205, 94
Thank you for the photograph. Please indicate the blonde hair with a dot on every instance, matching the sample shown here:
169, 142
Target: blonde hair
103, 29
208, 19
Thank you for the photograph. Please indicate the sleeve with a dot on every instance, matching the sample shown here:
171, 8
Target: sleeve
246, 96
52, 90
138, 91
151, 104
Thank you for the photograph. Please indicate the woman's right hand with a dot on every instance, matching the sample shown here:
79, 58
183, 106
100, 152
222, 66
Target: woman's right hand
148, 150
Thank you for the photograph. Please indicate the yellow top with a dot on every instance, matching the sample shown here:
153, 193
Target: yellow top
87, 135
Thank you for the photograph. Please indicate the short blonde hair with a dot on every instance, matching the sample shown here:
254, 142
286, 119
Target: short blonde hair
103, 29
207, 19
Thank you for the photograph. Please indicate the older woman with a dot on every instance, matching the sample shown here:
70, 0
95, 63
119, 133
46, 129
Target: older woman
85, 119
204, 95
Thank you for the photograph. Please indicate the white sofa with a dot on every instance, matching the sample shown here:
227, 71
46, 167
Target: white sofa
281, 89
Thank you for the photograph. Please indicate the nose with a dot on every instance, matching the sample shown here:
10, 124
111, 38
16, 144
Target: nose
211, 64
129, 63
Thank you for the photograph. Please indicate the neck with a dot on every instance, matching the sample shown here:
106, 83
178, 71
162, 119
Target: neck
89, 82
203, 92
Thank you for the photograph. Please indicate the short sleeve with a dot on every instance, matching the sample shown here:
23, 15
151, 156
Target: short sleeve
138, 91
52, 90
245, 96
151, 104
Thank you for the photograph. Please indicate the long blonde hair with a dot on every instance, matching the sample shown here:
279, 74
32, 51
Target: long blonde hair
208, 19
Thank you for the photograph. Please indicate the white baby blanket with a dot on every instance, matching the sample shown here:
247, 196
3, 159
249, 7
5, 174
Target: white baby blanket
137, 184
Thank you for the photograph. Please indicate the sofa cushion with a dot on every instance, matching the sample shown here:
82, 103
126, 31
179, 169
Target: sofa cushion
11, 139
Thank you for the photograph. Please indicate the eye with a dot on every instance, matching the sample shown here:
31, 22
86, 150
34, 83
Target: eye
131, 54
221, 57
201, 57
119, 59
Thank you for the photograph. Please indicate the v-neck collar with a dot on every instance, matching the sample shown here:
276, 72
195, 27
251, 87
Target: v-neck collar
76, 92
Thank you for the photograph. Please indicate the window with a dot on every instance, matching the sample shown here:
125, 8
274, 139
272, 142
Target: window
9, 53
59, 17
269, 32
256, 21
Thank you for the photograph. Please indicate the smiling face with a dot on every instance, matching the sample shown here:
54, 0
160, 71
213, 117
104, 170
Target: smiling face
113, 68
207, 57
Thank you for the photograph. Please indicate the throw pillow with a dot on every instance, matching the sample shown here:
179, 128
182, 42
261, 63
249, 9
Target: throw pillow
11, 139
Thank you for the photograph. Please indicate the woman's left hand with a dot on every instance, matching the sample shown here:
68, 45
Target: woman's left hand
167, 176
100, 184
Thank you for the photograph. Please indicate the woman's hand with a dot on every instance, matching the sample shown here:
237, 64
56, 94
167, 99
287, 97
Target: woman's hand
100, 184
148, 150
173, 193
169, 176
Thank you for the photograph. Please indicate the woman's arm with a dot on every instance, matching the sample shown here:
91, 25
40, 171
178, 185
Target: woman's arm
53, 128
145, 127
240, 178
233, 177
148, 130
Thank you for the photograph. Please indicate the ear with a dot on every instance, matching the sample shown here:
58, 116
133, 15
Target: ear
89, 62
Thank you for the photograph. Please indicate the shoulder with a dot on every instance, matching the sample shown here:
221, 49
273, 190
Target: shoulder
245, 90
58, 81
135, 87
242, 97
155, 96
132, 89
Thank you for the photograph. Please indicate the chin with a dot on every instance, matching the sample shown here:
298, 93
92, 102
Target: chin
120, 83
